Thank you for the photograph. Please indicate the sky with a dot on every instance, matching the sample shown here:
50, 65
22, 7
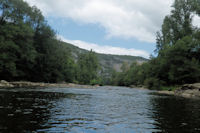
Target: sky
122, 27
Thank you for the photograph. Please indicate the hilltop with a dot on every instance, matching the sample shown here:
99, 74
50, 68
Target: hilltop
108, 62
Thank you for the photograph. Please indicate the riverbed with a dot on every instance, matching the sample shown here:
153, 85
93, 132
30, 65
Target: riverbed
104, 109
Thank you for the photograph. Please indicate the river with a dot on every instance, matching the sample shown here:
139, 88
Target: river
101, 110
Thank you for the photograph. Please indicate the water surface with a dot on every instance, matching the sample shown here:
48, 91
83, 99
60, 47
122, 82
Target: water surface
105, 109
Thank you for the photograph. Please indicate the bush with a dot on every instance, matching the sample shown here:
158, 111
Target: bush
169, 88
152, 83
94, 82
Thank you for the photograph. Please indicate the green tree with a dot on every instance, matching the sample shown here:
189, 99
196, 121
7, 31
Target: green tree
178, 49
29, 49
87, 67
177, 25
16, 34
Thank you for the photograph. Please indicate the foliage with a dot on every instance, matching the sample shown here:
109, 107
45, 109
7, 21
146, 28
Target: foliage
96, 82
178, 49
30, 51
87, 67
152, 83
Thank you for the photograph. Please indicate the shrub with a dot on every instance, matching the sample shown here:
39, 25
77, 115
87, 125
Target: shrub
152, 83
94, 82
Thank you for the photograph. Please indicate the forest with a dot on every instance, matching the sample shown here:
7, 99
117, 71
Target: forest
178, 52
30, 51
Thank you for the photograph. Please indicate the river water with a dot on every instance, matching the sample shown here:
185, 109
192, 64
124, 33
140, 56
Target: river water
101, 110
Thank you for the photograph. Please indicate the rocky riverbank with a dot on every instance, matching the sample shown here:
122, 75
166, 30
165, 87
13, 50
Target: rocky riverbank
26, 84
187, 91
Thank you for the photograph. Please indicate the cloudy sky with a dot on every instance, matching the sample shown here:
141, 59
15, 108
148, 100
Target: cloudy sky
125, 27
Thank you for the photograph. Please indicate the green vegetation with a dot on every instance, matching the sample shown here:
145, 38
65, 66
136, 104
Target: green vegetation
178, 52
107, 62
30, 51
87, 68
169, 88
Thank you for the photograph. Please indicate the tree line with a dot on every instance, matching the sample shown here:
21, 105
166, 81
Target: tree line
178, 52
30, 50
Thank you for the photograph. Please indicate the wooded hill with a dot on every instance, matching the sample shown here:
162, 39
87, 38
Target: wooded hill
108, 62
30, 51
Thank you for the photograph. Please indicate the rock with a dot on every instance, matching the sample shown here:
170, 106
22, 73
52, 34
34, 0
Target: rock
26, 84
190, 86
18, 111
133, 86
5, 84
10, 114
189, 90
166, 92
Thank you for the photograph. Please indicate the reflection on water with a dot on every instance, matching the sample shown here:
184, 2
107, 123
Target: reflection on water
175, 114
106, 109
26, 111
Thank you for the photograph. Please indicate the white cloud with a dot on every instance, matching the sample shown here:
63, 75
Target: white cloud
196, 21
106, 49
138, 19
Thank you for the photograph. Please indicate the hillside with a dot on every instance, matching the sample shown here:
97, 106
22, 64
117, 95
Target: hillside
108, 62
31, 51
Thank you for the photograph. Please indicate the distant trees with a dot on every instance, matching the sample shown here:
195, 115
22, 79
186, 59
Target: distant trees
30, 51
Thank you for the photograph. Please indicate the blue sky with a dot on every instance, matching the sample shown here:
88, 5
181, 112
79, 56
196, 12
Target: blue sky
95, 34
123, 27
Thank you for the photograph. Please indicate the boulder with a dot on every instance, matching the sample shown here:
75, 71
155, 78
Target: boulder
190, 86
189, 90
5, 84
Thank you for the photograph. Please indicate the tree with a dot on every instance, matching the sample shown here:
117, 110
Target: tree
177, 25
88, 67
178, 45
29, 49
178, 48
16, 35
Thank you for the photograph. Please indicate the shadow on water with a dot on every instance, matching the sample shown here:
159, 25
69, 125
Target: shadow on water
175, 114
26, 111
110, 109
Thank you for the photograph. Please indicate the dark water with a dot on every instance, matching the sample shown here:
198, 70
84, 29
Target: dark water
102, 110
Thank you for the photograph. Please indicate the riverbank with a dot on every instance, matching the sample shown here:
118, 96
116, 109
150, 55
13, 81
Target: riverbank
187, 91
27, 84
